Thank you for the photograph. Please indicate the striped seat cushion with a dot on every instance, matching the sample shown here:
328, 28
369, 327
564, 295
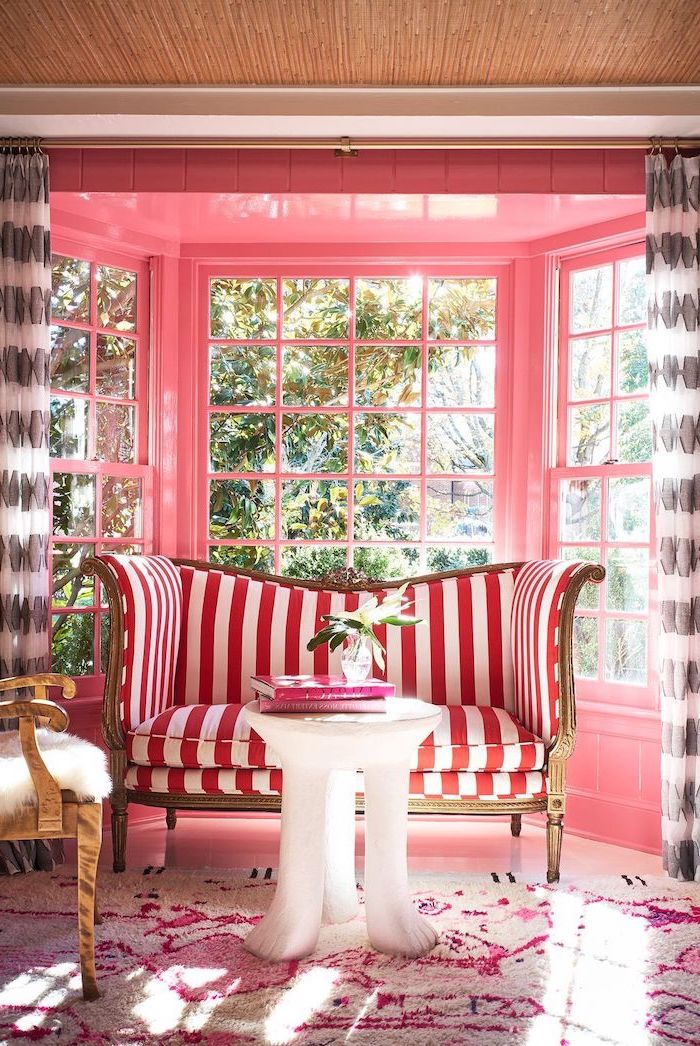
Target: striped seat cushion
197, 736
234, 627
205, 736
448, 785
473, 738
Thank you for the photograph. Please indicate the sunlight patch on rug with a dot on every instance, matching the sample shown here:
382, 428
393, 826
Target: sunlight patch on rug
306, 996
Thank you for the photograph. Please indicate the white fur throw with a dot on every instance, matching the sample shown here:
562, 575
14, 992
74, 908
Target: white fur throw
76, 765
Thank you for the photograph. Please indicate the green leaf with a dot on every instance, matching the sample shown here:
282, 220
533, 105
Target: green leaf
350, 623
336, 641
401, 620
321, 637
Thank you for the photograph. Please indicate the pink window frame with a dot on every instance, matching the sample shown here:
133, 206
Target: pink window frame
601, 690
353, 269
140, 469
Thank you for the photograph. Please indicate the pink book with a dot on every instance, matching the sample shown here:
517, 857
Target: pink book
309, 706
319, 688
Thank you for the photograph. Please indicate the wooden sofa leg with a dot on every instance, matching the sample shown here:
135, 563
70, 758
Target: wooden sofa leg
89, 843
554, 832
119, 820
516, 823
170, 817
118, 802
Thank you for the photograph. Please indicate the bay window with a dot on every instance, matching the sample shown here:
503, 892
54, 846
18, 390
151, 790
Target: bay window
351, 420
602, 482
98, 439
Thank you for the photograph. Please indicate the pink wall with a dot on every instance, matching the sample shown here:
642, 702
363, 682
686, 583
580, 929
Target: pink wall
614, 775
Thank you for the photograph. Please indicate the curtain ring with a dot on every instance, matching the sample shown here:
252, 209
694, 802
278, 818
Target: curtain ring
675, 146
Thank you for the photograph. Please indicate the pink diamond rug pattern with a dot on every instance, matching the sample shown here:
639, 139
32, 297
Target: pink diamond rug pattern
607, 961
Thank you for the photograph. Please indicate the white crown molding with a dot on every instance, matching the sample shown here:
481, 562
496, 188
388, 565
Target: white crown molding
252, 112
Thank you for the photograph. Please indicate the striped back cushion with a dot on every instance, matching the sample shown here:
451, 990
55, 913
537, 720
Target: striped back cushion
151, 593
537, 604
235, 627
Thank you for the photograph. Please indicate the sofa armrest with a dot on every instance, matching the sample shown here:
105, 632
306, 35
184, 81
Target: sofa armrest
542, 620
145, 605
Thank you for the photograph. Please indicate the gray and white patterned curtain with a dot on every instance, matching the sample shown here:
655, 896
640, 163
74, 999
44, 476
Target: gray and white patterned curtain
25, 315
673, 265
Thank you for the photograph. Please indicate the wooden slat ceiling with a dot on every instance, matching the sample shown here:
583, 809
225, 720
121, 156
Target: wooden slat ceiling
350, 42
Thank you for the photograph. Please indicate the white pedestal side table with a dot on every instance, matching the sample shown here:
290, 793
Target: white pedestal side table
320, 756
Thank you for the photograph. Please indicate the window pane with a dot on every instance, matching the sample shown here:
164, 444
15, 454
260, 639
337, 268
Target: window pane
628, 509
460, 443
460, 508
384, 564
73, 644
387, 509
315, 375
242, 442
121, 507
590, 434
316, 309
632, 362
626, 651
73, 504
633, 431
304, 561
70, 297
627, 579
632, 298
314, 442
116, 298
241, 508
242, 375
243, 308
247, 557
70, 586
589, 368
116, 432
591, 299
462, 309
387, 442
387, 375
69, 427
461, 376
589, 598
455, 557
389, 309
314, 509
70, 359
585, 643
116, 366
121, 548
579, 516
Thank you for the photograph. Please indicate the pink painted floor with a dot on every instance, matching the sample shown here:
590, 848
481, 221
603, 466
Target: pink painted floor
438, 844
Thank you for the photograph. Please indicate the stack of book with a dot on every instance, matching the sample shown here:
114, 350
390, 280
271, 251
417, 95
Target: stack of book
311, 694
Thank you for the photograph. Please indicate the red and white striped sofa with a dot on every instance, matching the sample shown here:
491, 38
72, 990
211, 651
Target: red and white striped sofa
186, 637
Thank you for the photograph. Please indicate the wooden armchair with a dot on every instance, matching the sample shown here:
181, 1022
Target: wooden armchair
52, 786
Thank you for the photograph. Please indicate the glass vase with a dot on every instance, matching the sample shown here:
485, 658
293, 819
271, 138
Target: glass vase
356, 658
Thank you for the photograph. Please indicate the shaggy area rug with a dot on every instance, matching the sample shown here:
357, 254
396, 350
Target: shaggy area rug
614, 960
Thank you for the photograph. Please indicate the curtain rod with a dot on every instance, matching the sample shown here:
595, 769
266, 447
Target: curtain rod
350, 146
